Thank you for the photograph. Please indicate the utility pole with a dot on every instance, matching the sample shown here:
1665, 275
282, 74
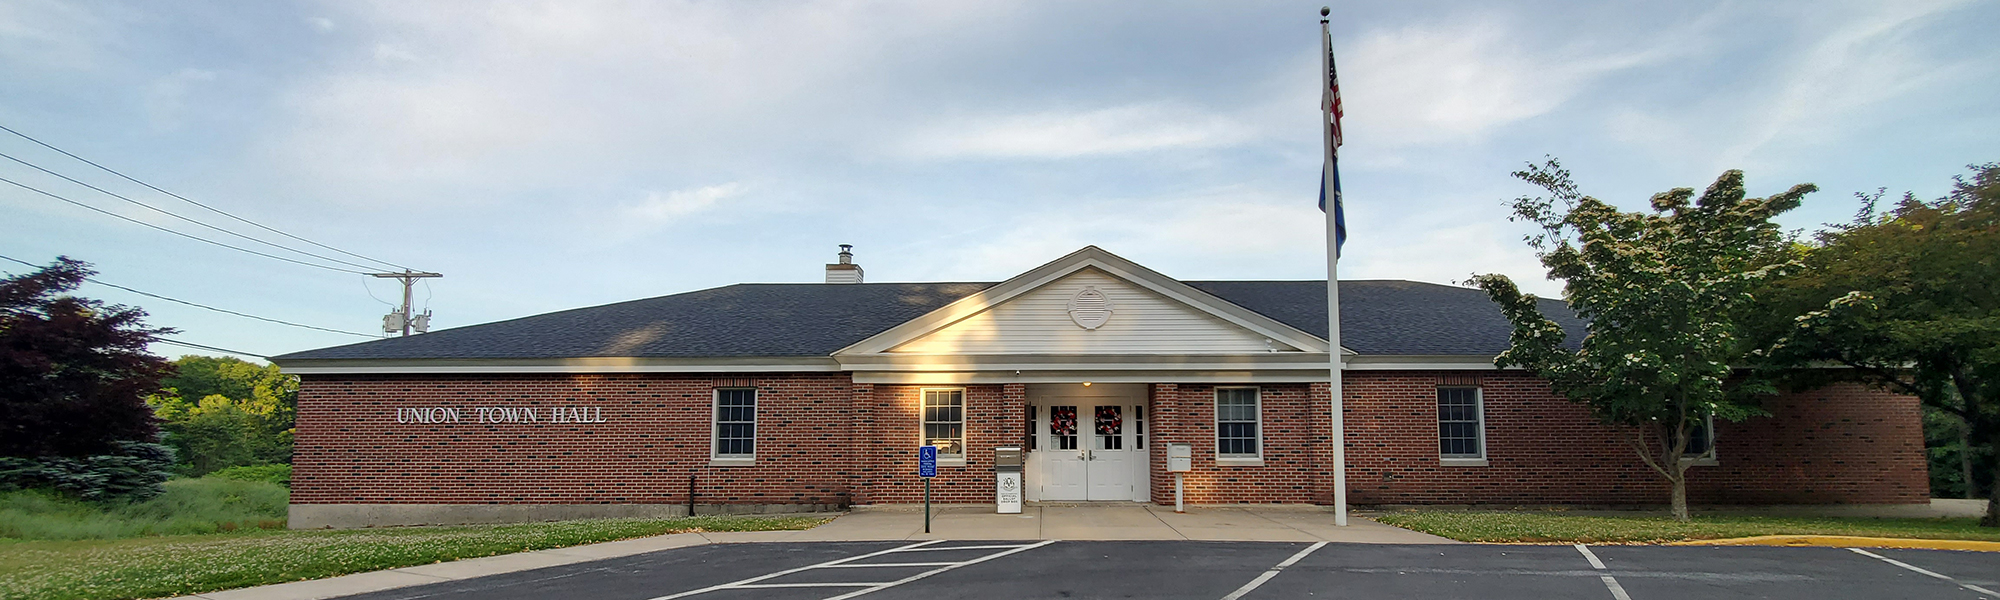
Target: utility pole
401, 319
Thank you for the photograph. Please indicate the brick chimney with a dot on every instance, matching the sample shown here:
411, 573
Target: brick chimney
844, 271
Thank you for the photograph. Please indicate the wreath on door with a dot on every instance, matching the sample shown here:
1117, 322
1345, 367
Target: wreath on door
1108, 420
1062, 420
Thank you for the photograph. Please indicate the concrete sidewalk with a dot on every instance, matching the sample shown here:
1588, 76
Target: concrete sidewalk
1120, 521
1091, 522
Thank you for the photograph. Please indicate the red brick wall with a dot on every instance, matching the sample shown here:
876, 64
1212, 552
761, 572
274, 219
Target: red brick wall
891, 431
350, 449
825, 440
1291, 473
1844, 444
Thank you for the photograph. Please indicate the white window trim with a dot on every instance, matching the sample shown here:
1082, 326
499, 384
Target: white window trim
1706, 459
715, 430
1237, 460
964, 432
1479, 411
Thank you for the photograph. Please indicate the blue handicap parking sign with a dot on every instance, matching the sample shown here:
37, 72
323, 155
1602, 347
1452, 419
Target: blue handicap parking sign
927, 461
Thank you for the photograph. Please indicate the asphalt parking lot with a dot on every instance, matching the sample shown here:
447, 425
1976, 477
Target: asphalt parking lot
1231, 570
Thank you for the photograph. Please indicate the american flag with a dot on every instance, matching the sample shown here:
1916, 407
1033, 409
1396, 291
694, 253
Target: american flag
1331, 101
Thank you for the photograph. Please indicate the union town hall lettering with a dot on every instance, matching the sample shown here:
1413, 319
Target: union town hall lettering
445, 415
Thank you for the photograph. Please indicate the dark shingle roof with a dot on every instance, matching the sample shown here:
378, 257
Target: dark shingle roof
751, 319
812, 319
1395, 318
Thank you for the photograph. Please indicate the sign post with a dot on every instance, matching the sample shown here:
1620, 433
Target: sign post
1180, 460
927, 468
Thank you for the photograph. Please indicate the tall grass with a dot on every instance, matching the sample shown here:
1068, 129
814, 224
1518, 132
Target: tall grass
189, 506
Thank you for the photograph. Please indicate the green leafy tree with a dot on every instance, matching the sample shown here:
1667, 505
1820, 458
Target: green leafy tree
1909, 299
222, 412
1659, 292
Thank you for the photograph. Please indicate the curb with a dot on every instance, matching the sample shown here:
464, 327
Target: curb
467, 568
1846, 541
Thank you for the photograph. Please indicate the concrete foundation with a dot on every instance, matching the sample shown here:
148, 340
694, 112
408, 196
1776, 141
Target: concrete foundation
350, 516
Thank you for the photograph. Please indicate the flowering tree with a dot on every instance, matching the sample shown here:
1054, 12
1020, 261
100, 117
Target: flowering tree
1661, 292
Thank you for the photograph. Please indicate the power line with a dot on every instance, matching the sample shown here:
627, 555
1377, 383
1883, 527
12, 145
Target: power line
177, 216
190, 201
204, 306
201, 347
185, 235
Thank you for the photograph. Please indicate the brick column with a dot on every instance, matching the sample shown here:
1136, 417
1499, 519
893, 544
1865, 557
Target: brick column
861, 439
1013, 430
1166, 416
1321, 401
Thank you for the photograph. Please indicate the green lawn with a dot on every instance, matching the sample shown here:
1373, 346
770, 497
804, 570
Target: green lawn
152, 567
1542, 527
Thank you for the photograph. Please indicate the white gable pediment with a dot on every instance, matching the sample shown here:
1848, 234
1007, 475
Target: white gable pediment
1090, 302
1091, 312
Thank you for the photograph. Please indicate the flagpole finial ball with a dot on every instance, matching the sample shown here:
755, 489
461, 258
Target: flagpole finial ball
1325, 10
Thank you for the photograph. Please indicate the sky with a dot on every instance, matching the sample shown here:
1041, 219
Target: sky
568, 153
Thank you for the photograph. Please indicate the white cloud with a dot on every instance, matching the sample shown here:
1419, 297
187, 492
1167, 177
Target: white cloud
1057, 134
391, 53
1865, 60
660, 209
1458, 82
1235, 230
322, 24
167, 97
48, 34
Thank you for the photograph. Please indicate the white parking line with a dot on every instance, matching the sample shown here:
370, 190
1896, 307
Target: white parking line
929, 573
869, 586
1273, 572
1930, 573
791, 571
1610, 583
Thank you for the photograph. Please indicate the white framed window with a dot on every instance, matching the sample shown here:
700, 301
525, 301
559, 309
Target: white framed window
735, 433
1239, 425
1701, 443
1138, 428
944, 422
1461, 417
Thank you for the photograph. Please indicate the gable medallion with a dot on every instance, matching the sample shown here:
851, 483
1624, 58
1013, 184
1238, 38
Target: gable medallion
1089, 308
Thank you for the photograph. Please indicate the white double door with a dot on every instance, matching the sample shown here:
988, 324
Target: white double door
1090, 449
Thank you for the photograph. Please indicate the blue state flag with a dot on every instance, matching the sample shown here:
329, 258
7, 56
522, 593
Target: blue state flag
1339, 215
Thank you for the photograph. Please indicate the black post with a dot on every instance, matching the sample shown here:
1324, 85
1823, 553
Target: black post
690, 494
927, 505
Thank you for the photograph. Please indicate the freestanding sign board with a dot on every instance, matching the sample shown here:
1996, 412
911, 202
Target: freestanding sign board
927, 468
1007, 480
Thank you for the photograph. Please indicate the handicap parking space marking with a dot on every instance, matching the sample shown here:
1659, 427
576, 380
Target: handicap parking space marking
1924, 571
853, 562
1272, 572
1610, 583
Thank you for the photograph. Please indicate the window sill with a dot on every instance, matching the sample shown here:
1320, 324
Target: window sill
732, 462
1239, 462
1462, 462
951, 462
1704, 461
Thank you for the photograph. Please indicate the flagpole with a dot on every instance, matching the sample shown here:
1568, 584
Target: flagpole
1329, 177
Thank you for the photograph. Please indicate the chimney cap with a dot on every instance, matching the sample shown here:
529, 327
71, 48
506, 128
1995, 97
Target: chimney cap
844, 271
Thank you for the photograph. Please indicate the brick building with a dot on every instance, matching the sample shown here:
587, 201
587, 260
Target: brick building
773, 397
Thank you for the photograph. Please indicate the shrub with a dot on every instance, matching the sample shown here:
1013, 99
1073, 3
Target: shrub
133, 471
278, 474
189, 506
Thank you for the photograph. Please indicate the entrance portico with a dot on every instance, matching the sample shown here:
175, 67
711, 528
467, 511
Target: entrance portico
1087, 442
